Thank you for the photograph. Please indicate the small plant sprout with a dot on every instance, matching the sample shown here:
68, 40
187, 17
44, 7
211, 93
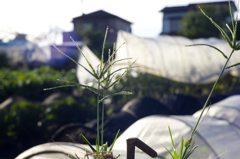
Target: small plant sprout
189, 146
104, 78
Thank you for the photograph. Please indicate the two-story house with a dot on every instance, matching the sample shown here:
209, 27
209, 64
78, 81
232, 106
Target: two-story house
172, 16
99, 21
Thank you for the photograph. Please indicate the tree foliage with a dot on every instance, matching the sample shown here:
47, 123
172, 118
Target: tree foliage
93, 38
196, 25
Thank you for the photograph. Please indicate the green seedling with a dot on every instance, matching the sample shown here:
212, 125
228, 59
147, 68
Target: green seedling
104, 79
189, 146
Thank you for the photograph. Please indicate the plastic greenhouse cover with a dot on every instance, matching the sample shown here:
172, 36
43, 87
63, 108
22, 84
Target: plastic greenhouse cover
168, 57
227, 109
60, 150
213, 136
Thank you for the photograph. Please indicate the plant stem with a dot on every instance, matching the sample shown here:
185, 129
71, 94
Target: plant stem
102, 117
97, 144
211, 94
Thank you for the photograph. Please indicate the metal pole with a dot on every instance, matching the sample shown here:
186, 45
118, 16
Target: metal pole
132, 142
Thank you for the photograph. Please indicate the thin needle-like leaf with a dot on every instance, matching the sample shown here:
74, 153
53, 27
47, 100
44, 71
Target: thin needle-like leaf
169, 152
174, 148
235, 30
237, 47
230, 10
219, 28
233, 65
230, 30
73, 85
104, 41
114, 140
89, 144
70, 156
181, 149
94, 75
115, 51
122, 75
225, 56
119, 93
110, 65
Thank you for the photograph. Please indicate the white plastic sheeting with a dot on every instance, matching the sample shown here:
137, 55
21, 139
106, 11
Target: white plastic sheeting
213, 136
227, 109
168, 56
60, 150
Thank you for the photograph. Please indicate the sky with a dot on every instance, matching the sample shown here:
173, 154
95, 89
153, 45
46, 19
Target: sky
38, 17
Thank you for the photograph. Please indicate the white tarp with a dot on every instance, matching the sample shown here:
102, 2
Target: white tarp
168, 56
227, 109
60, 150
213, 136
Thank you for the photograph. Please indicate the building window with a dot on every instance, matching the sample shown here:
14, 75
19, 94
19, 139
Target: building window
175, 25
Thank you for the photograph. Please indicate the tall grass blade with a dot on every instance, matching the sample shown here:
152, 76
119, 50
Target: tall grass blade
119, 93
104, 41
235, 29
81, 85
77, 156
174, 148
121, 75
219, 28
233, 65
73, 85
181, 149
87, 153
114, 51
230, 31
123, 68
89, 144
192, 148
230, 10
111, 147
71, 156
89, 64
170, 153
104, 147
110, 80
110, 65
94, 75
225, 56
237, 47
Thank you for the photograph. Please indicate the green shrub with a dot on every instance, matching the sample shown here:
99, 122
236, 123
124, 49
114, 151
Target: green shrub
30, 83
26, 124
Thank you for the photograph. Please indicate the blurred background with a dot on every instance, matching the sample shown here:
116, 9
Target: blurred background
29, 63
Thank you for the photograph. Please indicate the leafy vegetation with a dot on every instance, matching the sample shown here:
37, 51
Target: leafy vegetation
93, 39
104, 80
195, 25
30, 83
25, 124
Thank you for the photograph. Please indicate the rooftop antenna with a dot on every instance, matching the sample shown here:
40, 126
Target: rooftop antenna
82, 2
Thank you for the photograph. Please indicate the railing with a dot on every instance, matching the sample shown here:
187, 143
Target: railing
132, 142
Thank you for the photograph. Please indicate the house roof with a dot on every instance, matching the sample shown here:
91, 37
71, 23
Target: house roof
99, 14
193, 6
